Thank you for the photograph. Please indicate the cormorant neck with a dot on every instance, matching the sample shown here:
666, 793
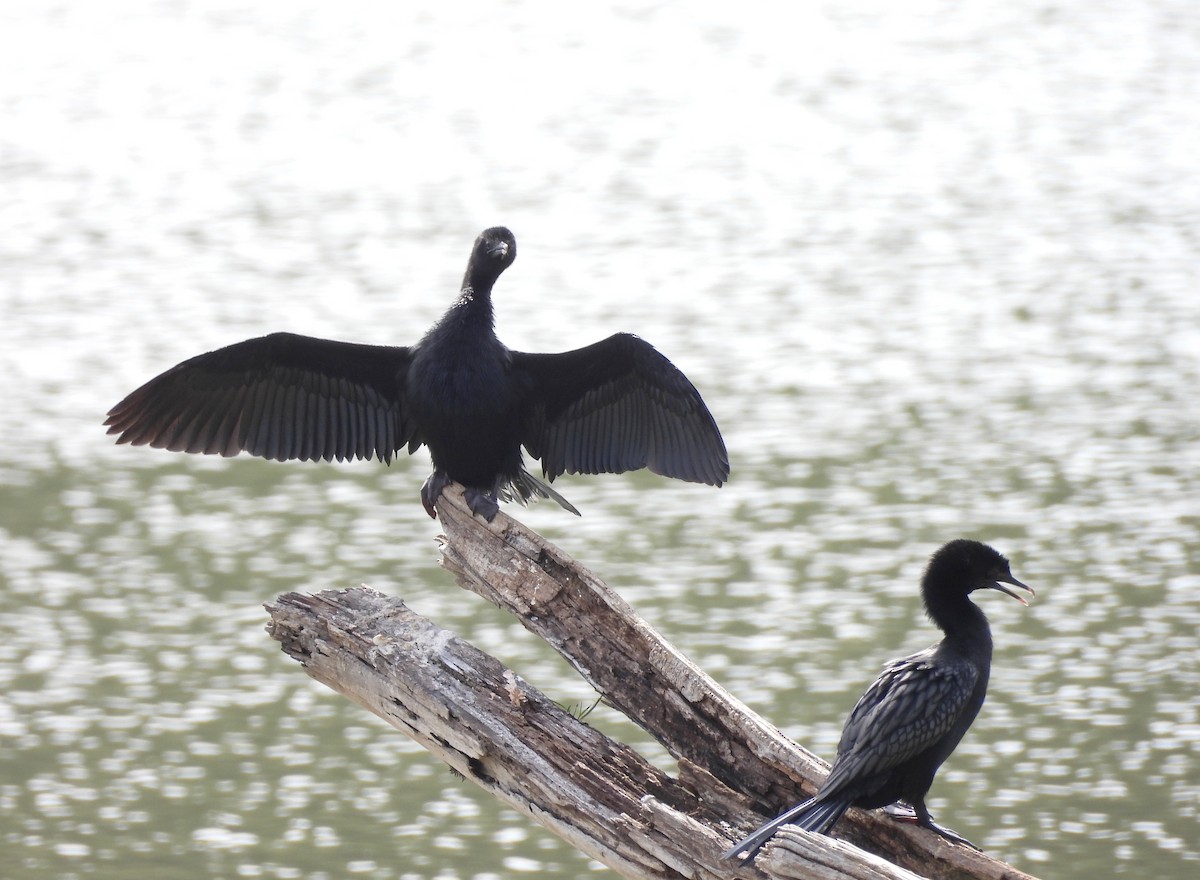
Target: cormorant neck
960, 619
479, 280
475, 300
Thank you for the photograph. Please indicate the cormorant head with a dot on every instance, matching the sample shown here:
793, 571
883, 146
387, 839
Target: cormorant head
965, 565
495, 246
493, 252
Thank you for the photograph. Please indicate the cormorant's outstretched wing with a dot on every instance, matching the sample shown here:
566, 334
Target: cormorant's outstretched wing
280, 396
913, 704
616, 406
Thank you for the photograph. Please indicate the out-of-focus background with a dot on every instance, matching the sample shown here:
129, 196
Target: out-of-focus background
934, 266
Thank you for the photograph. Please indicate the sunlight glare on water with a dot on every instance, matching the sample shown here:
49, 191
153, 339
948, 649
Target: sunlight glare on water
932, 266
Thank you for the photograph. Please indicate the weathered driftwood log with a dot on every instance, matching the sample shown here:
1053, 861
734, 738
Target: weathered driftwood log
498, 731
595, 793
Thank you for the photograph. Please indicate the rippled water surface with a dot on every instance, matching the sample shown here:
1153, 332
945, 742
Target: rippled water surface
934, 267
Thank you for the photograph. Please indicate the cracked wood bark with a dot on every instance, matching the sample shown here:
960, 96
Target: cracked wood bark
597, 794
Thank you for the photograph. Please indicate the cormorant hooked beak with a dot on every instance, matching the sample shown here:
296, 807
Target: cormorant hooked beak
498, 249
999, 585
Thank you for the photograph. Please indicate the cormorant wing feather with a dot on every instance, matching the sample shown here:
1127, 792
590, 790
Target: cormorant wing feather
910, 707
618, 405
281, 396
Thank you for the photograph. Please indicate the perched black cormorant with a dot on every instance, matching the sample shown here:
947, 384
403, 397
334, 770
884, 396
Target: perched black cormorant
614, 406
910, 720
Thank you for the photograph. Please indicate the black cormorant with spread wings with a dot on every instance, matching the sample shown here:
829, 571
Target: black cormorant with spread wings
614, 406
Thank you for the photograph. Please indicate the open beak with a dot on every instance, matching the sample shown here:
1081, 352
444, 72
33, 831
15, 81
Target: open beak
999, 585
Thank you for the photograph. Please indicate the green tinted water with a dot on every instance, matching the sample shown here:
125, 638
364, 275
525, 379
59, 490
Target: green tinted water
932, 269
